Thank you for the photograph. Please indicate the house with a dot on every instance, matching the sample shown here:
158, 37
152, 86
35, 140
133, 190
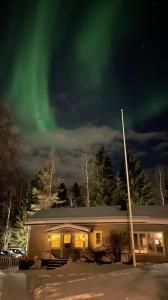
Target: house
57, 232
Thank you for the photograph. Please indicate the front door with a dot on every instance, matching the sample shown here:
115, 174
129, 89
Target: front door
66, 245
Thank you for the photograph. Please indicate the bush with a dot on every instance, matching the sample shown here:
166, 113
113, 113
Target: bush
98, 254
116, 242
25, 263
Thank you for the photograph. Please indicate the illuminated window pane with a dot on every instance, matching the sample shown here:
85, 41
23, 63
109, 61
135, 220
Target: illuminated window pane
67, 238
55, 240
151, 243
81, 240
86, 240
148, 242
136, 243
158, 238
143, 243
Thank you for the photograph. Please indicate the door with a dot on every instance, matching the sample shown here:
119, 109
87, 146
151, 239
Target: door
66, 244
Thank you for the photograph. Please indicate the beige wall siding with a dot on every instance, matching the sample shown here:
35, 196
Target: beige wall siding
38, 241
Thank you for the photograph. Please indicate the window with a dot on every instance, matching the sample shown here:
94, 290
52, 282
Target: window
81, 240
146, 242
67, 238
55, 240
97, 238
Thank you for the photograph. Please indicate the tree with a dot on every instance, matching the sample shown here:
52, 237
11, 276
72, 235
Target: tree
19, 235
46, 190
75, 196
62, 196
140, 188
119, 194
102, 180
10, 176
116, 242
43, 194
86, 169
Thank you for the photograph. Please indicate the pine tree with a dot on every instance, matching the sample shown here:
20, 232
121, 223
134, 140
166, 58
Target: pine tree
102, 180
140, 188
119, 194
43, 193
62, 196
75, 195
19, 235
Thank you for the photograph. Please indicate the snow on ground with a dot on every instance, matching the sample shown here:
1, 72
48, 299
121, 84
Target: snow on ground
14, 285
77, 281
1, 284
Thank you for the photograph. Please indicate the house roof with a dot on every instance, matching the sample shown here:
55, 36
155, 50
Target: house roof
99, 214
67, 226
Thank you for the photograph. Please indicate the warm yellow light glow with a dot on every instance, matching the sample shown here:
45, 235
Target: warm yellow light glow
81, 240
160, 235
67, 238
56, 240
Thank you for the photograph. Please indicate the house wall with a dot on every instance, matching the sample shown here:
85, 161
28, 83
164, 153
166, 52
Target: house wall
38, 240
106, 228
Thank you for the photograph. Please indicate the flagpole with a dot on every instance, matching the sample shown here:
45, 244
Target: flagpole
129, 196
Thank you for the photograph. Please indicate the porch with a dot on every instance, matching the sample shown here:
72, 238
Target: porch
66, 240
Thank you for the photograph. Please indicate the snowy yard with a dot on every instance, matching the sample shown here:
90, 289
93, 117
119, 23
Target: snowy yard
76, 281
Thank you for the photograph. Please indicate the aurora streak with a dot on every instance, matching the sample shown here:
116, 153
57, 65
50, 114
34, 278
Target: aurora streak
29, 91
89, 55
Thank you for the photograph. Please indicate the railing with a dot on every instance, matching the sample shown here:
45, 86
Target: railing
9, 261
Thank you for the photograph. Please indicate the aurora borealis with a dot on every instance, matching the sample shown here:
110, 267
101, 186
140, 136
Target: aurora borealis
69, 63
28, 88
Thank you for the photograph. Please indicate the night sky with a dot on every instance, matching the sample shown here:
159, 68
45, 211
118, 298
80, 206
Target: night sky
67, 67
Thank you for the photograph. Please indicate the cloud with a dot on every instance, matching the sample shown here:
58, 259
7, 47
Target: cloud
79, 138
163, 146
143, 137
70, 144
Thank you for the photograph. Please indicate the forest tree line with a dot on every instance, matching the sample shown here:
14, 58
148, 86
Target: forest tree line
100, 185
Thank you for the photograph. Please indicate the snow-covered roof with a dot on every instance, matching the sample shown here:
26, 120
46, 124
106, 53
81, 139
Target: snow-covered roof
90, 214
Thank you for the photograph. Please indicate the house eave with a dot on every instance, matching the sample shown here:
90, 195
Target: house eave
96, 220
68, 226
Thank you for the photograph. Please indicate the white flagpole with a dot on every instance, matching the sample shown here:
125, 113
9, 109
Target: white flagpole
129, 196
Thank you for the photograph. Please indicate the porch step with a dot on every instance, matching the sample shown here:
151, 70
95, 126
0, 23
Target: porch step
55, 263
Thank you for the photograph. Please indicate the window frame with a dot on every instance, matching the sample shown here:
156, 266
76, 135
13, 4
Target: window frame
138, 251
83, 241
52, 235
96, 245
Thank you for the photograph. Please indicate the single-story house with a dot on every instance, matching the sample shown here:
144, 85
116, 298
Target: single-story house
56, 231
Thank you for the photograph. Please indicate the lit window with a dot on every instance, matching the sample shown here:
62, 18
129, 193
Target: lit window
148, 242
81, 240
97, 238
67, 238
55, 240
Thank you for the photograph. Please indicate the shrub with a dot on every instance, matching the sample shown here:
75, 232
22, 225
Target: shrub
116, 242
98, 254
25, 263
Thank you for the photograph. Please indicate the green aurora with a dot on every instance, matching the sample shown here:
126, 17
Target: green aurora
89, 42
96, 42
29, 90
